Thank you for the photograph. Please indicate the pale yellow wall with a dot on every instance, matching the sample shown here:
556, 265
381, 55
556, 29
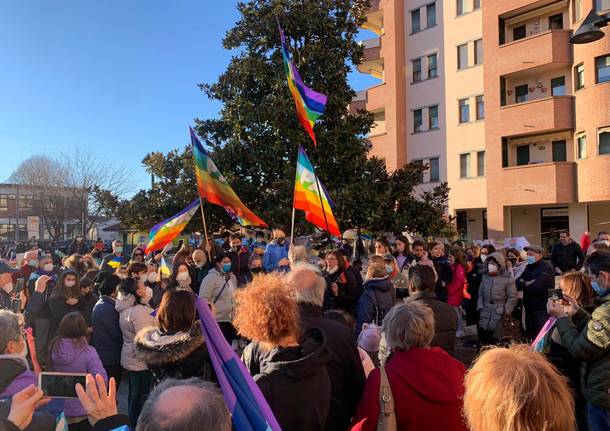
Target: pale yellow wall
599, 217
525, 221
460, 84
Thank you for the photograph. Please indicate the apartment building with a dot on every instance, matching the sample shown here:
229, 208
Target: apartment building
522, 138
547, 120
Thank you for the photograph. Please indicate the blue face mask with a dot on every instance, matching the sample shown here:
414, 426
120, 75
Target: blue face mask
389, 268
595, 285
226, 267
531, 260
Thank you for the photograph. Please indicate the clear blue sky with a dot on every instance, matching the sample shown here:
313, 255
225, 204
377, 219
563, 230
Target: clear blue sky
118, 76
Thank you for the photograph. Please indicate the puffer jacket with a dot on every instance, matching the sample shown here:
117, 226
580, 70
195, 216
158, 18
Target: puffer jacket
375, 302
178, 356
212, 288
587, 338
497, 295
132, 318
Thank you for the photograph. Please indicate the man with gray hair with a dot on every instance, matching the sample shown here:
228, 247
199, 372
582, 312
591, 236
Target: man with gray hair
15, 373
184, 405
424, 384
344, 368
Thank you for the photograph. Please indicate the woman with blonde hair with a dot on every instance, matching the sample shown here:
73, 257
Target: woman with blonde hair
516, 389
289, 367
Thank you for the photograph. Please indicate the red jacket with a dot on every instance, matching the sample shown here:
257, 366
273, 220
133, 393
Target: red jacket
427, 385
455, 288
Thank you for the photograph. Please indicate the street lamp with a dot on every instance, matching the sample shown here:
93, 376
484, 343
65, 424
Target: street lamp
589, 31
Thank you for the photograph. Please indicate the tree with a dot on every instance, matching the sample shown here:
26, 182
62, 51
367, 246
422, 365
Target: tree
254, 140
73, 187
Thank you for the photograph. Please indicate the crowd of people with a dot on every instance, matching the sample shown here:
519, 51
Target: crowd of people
335, 339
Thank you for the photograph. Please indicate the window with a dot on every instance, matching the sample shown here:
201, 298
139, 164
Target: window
581, 147
464, 110
432, 68
480, 108
418, 121
559, 151
416, 70
521, 93
504, 152
26, 201
476, 4
604, 141
415, 24
420, 164
3, 202
602, 4
558, 86
431, 15
462, 53
461, 7
579, 76
556, 22
434, 170
478, 51
519, 32
481, 163
602, 68
523, 155
433, 117
464, 165
577, 10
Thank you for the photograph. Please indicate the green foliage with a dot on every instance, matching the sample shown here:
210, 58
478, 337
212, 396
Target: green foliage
255, 139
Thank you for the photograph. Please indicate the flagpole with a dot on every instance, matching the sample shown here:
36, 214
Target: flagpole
320, 191
205, 230
296, 176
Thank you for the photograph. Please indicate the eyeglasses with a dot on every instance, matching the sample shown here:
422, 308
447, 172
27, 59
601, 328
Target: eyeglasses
138, 254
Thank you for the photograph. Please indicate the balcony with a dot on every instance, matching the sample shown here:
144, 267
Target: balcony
548, 48
372, 99
537, 116
372, 63
545, 183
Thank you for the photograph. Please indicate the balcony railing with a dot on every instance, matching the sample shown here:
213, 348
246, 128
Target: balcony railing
536, 116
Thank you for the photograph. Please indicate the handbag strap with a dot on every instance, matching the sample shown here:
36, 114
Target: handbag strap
387, 415
221, 290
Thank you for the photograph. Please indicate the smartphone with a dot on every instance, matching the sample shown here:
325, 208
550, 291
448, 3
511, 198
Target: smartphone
60, 385
16, 305
556, 294
19, 286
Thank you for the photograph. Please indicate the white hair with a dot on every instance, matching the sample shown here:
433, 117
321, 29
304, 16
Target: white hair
408, 325
308, 290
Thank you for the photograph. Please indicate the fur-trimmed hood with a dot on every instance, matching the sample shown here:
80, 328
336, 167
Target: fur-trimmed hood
156, 348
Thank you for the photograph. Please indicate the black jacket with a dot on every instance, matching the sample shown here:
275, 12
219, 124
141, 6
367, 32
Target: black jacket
294, 381
567, 257
349, 292
344, 369
443, 270
535, 296
376, 300
240, 266
445, 320
178, 356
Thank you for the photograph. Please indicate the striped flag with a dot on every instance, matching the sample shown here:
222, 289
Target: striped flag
163, 233
249, 409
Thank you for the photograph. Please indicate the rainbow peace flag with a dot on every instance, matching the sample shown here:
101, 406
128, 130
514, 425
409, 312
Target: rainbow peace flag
214, 187
249, 409
309, 104
307, 197
163, 233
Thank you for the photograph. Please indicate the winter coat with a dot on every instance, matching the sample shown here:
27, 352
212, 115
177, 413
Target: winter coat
349, 292
273, 254
178, 356
375, 302
240, 266
535, 296
357, 276
427, 387
218, 288
497, 295
123, 260
443, 270
70, 356
78, 248
567, 257
455, 288
59, 308
587, 338
295, 383
445, 320
87, 303
15, 375
132, 318
107, 334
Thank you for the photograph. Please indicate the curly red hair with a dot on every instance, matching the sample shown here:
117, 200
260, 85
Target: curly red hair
266, 310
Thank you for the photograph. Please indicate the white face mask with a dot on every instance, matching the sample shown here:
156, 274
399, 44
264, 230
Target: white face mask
48, 267
8, 287
492, 268
24, 353
69, 283
152, 277
483, 258
182, 276
606, 242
